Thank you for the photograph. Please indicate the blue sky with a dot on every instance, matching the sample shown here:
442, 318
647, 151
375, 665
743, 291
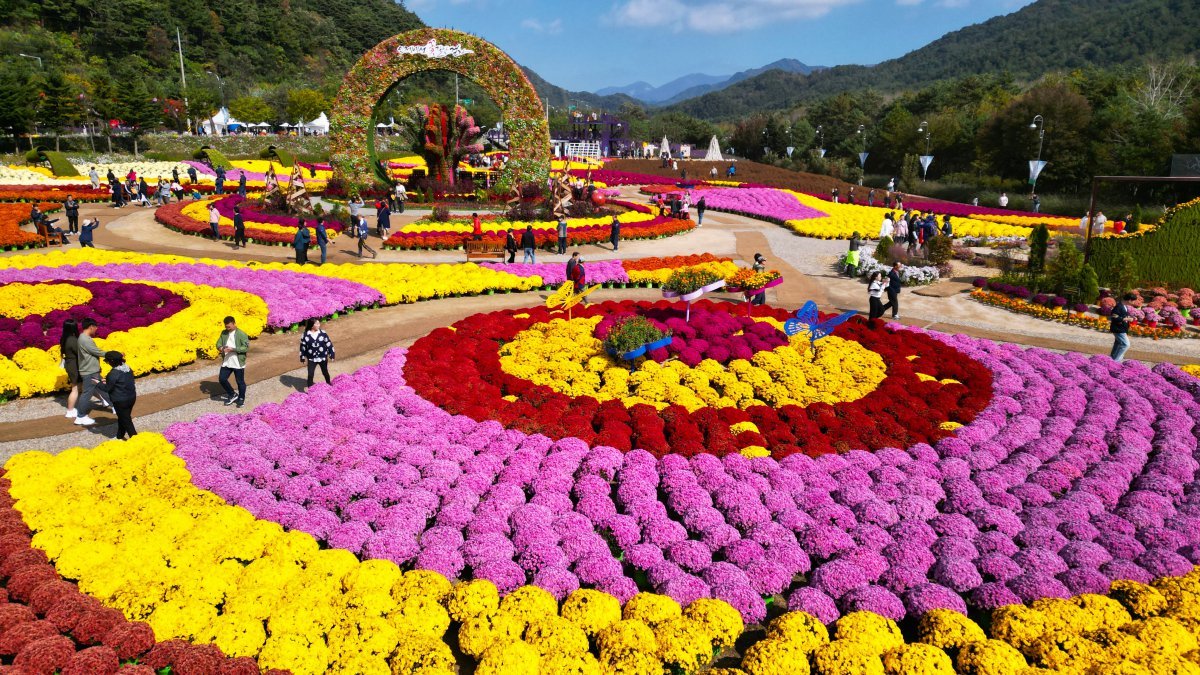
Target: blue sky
590, 45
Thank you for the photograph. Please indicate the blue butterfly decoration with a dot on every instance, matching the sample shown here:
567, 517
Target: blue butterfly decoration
807, 321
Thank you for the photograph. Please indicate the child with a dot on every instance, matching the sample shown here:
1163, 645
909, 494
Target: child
121, 391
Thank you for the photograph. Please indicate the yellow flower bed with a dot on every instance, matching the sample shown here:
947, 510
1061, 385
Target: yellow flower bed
846, 219
125, 521
398, 282
1026, 221
564, 356
18, 300
494, 226
166, 345
198, 211
1192, 369
660, 276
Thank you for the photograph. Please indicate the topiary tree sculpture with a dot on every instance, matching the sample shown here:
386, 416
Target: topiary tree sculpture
442, 138
1089, 285
1039, 241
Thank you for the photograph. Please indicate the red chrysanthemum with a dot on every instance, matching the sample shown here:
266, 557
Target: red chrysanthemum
243, 665
93, 661
45, 656
49, 594
19, 559
12, 614
199, 660
130, 639
95, 623
24, 580
16, 638
165, 654
67, 612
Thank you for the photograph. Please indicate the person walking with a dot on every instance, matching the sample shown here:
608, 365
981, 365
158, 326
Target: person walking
476, 228
364, 230
701, 206
192, 177
893, 291
72, 208
759, 266
1118, 325
242, 185
85, 234
383, 221
528, 244
88, 355
571, 263
871, 197
562, 235
301, 242
175, 174
220, 180
316, 349
874, 297
233, 344
214, 221
888, 227
852, 255
1037, 203
121, 390
401, 196
576, 274
510, 246
94, 178
322, 237
947, 227
239, 228
355, 205
68, 347
614, 233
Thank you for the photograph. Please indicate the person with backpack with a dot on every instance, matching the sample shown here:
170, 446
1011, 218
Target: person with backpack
121, 390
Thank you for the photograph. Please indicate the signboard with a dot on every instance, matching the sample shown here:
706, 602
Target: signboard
432, 50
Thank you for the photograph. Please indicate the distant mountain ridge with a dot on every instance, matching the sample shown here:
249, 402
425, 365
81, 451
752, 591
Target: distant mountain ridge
697, 84
1043, 37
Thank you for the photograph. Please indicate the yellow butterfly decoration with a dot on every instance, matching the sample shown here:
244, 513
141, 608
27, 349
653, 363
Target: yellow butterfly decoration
566, 297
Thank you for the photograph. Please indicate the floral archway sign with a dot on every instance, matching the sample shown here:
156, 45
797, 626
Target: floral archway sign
351, 125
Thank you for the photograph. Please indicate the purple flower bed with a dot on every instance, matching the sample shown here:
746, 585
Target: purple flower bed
612, 177
114, 305
291, 297
719, 336
768, 204
553, 274
1080, 471
251, 214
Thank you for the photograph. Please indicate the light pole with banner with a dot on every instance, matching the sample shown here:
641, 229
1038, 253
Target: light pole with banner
926, 159
862, 156
1036, 166
821, 140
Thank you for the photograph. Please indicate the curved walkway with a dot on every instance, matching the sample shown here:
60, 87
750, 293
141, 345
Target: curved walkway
275, 370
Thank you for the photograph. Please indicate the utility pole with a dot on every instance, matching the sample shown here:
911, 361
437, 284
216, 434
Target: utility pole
183, 81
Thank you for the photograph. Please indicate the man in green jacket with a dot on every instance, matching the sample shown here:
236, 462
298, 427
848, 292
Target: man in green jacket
232, 346
89, 371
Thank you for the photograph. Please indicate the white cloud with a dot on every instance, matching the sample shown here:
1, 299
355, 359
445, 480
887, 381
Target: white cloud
547, 27
718, 16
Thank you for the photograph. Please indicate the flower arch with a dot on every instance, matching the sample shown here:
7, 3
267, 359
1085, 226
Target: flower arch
352, 131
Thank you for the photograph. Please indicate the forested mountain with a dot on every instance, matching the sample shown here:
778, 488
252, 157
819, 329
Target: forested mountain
1046, 36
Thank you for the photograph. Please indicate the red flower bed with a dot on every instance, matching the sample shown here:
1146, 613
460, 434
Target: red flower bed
82, 193
11, 218
48, 626
460, 371
592, 234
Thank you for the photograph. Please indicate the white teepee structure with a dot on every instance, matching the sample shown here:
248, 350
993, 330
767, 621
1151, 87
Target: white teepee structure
664, 148
714, 151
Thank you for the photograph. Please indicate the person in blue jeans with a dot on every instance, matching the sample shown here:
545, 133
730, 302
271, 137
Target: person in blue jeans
232, 345
322, 237
529, 244
1118, 324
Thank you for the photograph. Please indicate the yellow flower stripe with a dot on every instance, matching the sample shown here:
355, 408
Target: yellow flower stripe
1026, 221
564, 356
125, 522
398, 282
166, 345
1192, 369
18, 300
660, 276
629, 217
198, 211
845, 219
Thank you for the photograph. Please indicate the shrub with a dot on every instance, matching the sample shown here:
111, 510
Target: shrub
941, 249
979, 282
883, 250
1064, 270
1089, 284
1039, 241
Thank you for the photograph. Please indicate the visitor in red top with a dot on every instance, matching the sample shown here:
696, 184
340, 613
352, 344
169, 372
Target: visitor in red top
476, 227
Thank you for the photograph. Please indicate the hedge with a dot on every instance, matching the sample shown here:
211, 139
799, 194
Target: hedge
1168, 254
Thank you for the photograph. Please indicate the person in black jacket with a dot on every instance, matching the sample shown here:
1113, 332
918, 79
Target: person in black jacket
72, 208
614, 233
510, 245
529, 243
1119, 327
893, 292
239, 228
122, 392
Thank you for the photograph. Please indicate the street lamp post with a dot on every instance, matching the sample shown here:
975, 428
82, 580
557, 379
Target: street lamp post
925, 162
862, 156
1038, 123
821, 140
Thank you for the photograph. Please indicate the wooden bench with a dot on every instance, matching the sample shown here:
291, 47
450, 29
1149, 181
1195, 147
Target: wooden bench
49, 238
479, 250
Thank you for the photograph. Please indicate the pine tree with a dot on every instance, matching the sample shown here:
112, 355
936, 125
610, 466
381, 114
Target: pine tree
60, 106
17, 98
139, 111
1038, 242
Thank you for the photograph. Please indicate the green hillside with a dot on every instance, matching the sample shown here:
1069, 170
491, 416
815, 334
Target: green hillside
1047, 36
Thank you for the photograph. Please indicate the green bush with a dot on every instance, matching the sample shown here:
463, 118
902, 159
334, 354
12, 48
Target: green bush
883, 252
1064, 270
1170, 254
941, 249
1089, 285
1039, 241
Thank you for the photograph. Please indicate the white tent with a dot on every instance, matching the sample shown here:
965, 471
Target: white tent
714, 151
318, 126
664, 148
220, 122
